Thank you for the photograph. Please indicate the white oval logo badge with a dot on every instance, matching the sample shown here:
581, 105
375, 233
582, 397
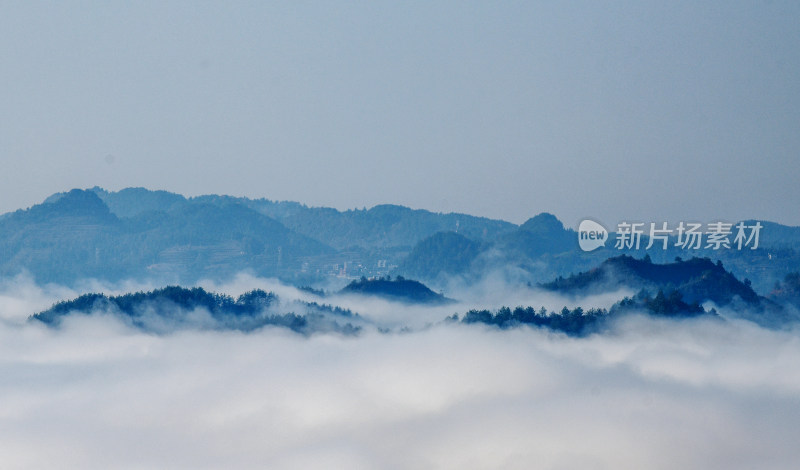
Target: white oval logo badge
591, 235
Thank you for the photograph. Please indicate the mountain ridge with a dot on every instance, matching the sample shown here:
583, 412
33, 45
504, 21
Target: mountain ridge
140, 233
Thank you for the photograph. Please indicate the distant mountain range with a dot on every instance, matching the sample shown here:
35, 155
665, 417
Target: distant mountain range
137, 233
379, 227
542, 249
77, 236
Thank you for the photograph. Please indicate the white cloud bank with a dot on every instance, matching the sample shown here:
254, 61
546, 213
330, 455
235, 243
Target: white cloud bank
650, 395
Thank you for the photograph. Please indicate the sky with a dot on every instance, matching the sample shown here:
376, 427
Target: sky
651, 111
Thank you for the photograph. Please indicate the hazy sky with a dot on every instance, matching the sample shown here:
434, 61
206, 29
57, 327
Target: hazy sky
642, 110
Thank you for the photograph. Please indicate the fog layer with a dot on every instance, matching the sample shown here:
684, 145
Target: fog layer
650, 393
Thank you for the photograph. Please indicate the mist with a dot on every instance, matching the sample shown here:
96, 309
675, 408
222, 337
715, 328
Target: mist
647, 393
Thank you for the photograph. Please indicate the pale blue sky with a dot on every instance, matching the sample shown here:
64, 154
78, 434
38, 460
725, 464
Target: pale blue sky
624, 110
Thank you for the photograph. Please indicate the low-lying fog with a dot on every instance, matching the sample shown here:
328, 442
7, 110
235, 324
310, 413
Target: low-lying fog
651, 393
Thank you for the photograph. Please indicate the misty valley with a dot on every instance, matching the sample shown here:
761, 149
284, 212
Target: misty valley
400, 255
246, 330
437, 235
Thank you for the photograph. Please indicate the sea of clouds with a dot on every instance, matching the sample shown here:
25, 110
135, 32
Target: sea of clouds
648, 394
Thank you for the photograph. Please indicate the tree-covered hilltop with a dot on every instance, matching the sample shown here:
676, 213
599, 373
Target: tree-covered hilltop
787, 291
539, 235
697, 280
130, 202
443, 253
580, 322
174, 308
575, 322
399, 289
